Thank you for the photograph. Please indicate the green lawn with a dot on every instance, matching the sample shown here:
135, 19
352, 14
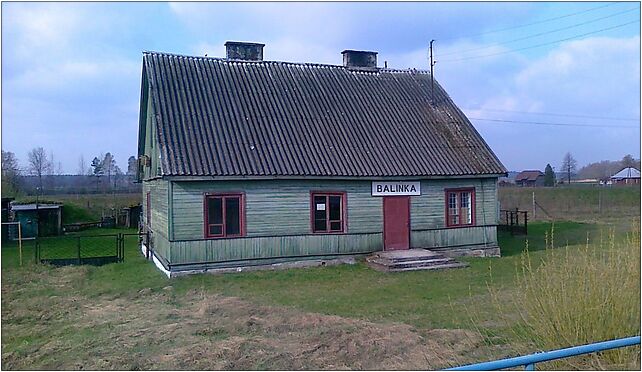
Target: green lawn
424, 300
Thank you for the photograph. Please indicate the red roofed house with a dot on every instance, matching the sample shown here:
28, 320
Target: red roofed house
529, 178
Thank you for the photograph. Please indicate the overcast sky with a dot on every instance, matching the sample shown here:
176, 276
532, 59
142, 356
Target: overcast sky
71, 71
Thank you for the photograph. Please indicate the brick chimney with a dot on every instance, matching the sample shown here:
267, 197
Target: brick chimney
359, 59
244, 51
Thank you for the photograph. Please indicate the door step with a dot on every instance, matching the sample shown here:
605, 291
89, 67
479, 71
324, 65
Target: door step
410, 260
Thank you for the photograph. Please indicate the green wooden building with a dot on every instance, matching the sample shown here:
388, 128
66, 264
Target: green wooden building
246, 162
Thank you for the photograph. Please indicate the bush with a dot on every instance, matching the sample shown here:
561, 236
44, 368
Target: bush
579, 296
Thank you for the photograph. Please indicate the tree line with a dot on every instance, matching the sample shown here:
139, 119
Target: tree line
44, 174
600, 171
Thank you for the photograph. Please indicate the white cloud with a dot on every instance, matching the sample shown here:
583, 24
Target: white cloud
42, 29
71, 74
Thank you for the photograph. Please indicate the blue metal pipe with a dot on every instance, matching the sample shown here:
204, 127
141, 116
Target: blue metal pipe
531, 359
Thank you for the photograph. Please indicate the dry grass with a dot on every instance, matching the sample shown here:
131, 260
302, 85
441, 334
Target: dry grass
160, 329
579, 296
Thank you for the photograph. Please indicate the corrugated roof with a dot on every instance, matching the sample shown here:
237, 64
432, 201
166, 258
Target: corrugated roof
528, 175
628, 172
218, 117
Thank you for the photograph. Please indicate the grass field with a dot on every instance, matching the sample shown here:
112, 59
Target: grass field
585, 203
129, 316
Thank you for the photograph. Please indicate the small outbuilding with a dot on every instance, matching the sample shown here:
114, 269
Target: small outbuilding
247, 162
627, 176
529, 178
38, 219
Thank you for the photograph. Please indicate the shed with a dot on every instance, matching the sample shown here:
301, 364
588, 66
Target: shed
627, 176
6, 207
38, 219
249, 162
529, 178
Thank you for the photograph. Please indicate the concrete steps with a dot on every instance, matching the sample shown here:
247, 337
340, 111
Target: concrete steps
410, 260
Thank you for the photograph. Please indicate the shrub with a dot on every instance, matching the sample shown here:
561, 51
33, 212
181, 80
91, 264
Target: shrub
576, 296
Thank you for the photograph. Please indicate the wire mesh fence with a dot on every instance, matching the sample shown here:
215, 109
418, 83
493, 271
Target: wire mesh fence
80, 250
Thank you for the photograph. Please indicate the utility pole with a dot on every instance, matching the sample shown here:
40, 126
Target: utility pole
432, 74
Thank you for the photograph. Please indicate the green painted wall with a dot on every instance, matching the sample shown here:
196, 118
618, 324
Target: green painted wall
454, 237
151, 143
282, 207
428, 210
270, 247
159, 199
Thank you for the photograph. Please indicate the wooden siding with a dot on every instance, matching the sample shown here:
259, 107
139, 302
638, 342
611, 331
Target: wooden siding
215, 250
278, 219
454, 237
159, 199
151, 144
428, 210
274, 207
161, 246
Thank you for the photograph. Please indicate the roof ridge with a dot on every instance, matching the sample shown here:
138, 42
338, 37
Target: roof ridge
312, 64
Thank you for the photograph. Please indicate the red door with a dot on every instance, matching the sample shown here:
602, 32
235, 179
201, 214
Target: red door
396, 222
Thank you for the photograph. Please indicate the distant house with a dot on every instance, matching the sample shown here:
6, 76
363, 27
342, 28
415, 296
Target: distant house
529, 178
246, 162
627, 176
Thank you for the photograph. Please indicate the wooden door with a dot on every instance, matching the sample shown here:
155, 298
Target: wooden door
396, 222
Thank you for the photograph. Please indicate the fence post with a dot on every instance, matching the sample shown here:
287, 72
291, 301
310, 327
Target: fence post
534, 204
526, 222
35, 251
78, 246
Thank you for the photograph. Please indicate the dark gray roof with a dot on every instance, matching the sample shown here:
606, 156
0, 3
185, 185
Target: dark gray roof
219, 117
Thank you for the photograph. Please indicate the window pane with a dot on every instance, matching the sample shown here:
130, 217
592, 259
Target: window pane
452, 200
465, 215
215, 230
214, 211
232, 216
335, 226
335, 208
320, 210
320, 225
466, 209
465, 199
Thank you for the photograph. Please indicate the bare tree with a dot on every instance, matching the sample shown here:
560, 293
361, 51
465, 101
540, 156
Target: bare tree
10, 173
59, 170
83, 169
132, 166
628, 161
569, 166
109, 166
39, 165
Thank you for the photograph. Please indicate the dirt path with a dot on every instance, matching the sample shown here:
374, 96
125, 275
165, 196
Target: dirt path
164, 330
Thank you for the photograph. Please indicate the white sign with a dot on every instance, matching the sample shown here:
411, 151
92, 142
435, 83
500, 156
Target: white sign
321, 207
396, 188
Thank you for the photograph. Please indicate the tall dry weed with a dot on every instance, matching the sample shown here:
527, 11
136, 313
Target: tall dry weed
576, 296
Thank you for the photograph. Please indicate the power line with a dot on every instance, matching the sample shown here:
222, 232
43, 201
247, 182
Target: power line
544, 44
555, 114
554, 124
534, 23
542, 33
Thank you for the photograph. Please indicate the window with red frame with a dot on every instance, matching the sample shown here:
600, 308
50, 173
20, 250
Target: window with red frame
460, 207
223, 215
328, 212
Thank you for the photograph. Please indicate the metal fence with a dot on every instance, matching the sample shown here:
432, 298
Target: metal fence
513, 221
80, 249
529, 361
